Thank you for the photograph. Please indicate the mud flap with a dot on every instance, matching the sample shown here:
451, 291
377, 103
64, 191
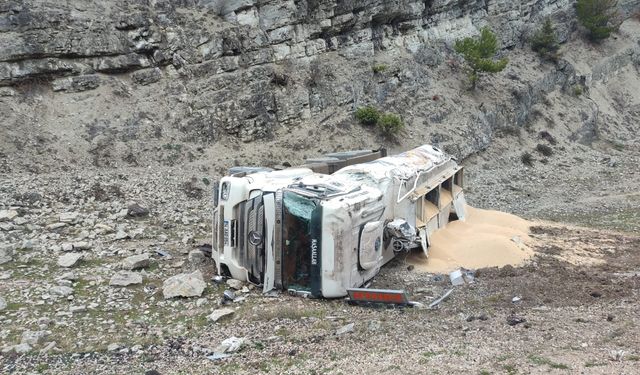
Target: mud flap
459, 204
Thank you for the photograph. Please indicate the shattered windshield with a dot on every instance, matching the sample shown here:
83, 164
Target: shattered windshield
296, 238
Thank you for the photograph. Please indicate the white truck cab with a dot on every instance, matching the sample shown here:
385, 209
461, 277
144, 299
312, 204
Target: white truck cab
318, 234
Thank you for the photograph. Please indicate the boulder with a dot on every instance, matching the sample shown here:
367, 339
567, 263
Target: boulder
220, 313
125, 278
69, 260
136, 262
184, 285
3, 304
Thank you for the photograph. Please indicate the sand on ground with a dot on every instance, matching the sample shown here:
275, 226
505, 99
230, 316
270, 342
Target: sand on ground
485, 239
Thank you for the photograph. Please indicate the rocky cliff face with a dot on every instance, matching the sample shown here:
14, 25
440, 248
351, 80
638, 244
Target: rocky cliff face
145, 81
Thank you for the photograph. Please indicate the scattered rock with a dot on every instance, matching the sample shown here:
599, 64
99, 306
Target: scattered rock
61, 290
220, 313
235, 284
71, 276
8, 215
69, 217
22, 348
125, 278
6, 254
196, 257
122, 235
184, 285
374, 326
34, 338
136, 262
82, 245
513, 320
345, 329
136, 210
69, 260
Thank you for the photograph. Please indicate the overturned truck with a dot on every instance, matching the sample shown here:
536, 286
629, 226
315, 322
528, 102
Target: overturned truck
329, 225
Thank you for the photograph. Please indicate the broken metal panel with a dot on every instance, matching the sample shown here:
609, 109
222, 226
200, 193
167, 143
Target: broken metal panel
459, 204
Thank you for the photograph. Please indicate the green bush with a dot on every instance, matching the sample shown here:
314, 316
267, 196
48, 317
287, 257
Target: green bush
368, 115
390, 124
545, 42
379, 68
577, 90
526, 159
478, 53
598, 17
544, 149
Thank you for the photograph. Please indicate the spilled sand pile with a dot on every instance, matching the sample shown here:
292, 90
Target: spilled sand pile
485, 239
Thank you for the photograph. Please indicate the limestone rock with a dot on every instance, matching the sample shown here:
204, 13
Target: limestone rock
69, 260
34, 338
22, 348
196, 257
76, 84
81, 245
136, 262
62, 291
125, 278
220, 313
69, 217
136, 210
235, 284
184, 285
8, 215
6, 254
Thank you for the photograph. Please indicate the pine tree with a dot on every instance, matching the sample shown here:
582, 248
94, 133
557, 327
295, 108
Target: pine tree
479, 53
545, 42
598, 16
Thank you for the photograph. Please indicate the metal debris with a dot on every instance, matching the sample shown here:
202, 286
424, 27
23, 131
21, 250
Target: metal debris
440, 299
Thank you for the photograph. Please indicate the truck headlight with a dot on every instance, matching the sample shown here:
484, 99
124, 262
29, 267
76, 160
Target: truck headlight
224, 191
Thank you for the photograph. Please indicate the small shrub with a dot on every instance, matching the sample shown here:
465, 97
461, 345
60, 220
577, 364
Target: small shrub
527, 159
511, 130
544, 149
390, 124
598, 17
545, 41
280, 79
547, 137
577, 90
379, 68
368, 115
